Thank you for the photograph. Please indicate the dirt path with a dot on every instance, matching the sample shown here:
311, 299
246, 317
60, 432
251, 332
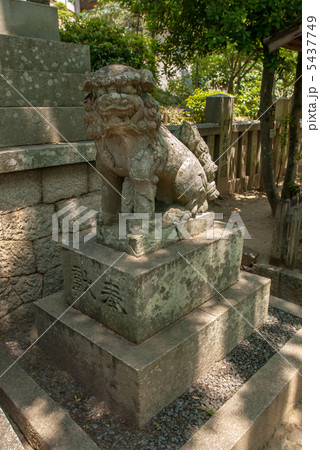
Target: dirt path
255, 213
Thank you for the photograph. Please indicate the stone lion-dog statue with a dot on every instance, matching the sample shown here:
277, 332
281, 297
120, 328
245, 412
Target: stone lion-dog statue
137, 156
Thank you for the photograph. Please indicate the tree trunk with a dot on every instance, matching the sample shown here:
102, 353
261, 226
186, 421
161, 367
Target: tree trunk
294, 128
266, 121
196, 81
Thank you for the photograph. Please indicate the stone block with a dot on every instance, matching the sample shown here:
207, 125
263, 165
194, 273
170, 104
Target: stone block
52, 281
17, 258
17, 319
8, 438
9, 300
90, 201
136, 244
28, 19
64, 182
95, 180
27, 126
45, 424
54, 88
268, 271
290, 286
139, 297
33, 222
22, 53
173, 229
19, 190
28, 287
46, 155
258, 408
139, 380
47, 253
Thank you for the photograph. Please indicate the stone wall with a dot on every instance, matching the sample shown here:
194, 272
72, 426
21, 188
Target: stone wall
41, 110
30, 263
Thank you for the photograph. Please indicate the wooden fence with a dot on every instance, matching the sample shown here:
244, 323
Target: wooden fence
287, 234
236, 147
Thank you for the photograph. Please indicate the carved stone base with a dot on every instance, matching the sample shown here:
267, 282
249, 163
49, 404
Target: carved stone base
139, 297
138, 381
142, 244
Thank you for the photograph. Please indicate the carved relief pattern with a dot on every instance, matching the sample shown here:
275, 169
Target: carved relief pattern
110, 293
81, 281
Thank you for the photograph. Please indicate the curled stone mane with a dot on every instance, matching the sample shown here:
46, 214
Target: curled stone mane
115, 82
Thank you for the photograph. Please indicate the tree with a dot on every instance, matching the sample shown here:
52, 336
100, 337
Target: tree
225, 69
192, 27
294, 126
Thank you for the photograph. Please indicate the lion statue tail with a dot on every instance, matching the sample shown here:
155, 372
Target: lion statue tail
189, 135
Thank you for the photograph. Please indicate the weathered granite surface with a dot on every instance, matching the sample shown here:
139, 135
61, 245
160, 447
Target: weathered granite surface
171, 228
41, 88
138, 297
8, 438
16, 159
29, 19
46, 125
30, 263
24, 53
44, 423
139, 380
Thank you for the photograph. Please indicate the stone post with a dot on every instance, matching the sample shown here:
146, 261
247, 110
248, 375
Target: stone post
219, 109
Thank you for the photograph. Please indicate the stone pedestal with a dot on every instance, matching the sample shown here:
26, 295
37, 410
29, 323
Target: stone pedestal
137, 332
139, 297
139, 380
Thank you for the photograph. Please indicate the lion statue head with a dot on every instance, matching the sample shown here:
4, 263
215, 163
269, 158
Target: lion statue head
119, 102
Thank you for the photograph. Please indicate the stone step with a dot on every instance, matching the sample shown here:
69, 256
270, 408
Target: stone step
8, 437
139, 380
25, 126
16, 159
22, 53
41, 88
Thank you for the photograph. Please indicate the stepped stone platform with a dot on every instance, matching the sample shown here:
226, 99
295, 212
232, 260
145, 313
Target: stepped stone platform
41, 88
42, 55
26, 126
139, 380
48, 74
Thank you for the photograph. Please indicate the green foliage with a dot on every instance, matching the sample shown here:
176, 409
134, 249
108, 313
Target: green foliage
166, 98
247, 102
173, 114
192, 29
197, 104
116, 14
109, 44
63, 11
156, 425
285, 75
181, 86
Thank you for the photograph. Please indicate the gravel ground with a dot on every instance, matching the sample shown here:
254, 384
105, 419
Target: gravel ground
175, 424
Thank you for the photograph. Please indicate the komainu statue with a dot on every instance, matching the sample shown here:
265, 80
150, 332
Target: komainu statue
137, 156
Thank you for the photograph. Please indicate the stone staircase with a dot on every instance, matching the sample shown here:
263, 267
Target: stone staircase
43, 104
